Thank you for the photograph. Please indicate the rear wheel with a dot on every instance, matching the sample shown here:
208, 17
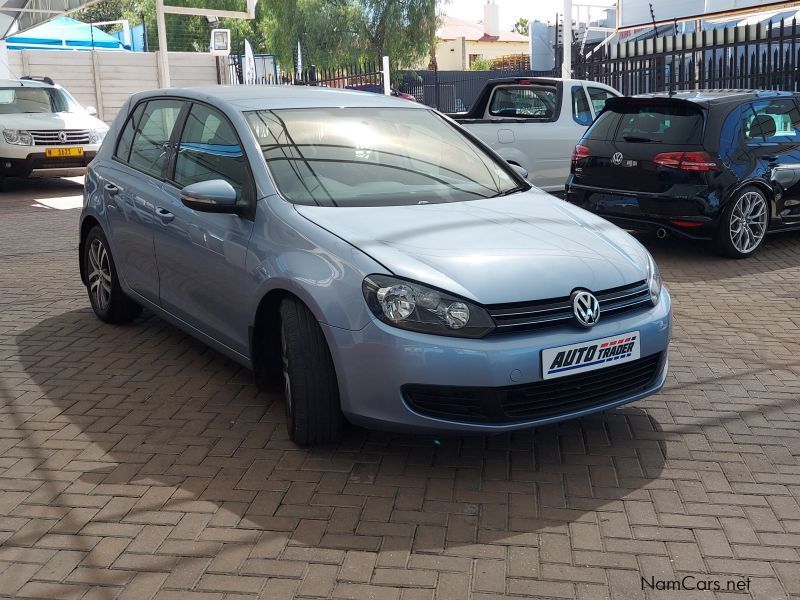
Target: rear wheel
311, 392
744, 223
108, 300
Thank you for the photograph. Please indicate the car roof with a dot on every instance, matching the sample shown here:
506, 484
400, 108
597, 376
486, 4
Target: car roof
24, 83
710, 98
266, 97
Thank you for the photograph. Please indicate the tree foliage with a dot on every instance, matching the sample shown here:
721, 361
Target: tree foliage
521, 26
331, 33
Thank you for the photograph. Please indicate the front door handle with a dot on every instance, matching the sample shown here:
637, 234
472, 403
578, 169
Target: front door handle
164, 215
111, 189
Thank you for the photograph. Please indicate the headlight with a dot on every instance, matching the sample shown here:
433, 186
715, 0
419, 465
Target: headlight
653, 280
18, 137
419, 308
98, 135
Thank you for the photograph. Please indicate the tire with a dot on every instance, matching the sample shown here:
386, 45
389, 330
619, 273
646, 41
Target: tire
744, 223
311, 392
109, 302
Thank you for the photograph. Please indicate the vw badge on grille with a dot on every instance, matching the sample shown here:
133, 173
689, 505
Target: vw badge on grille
62, 137
616, 159
586, 308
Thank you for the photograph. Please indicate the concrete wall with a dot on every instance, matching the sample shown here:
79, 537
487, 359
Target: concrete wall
105, 80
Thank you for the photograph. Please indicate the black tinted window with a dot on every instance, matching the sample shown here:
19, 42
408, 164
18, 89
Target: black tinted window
527, 101
149, 150
126, 138
603, 127
669, 123
209, 149
772, 121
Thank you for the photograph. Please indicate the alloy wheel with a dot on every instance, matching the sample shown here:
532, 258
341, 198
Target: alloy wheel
748, 222
100, 274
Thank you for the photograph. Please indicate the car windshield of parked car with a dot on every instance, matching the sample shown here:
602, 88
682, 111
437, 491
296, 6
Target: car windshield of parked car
374, 157
20, 100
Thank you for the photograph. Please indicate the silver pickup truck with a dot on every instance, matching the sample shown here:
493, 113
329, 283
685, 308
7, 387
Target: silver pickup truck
535, 122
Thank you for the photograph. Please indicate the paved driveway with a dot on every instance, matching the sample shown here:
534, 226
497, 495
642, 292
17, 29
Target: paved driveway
137, 463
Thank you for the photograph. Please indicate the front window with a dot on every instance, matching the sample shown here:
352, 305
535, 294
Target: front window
20, 100
374, 157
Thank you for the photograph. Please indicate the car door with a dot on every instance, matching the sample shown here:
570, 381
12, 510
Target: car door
131, 185
201, 255
771, 128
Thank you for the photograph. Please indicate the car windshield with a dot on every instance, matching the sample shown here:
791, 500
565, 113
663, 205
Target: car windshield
17, 100
374, 157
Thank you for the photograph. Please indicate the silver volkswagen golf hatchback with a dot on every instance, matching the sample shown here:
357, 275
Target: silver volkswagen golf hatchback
369, 257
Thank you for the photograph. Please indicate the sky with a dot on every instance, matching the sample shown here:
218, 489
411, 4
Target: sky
511, 10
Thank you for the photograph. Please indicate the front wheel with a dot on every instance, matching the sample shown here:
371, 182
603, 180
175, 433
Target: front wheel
108, 300
744, 223
311, 392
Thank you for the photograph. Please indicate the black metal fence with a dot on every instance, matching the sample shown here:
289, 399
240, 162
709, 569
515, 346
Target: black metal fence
747, 57
366, 75
453, 91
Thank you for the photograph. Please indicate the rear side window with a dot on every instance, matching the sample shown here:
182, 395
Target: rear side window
150, 147
126, 139
674, 123
580, 106
526, 102
776, 120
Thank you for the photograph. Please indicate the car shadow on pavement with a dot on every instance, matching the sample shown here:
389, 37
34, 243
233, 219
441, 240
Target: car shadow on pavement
695, 261
180, 437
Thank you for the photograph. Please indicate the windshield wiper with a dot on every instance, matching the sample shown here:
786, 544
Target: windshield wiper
634, 138
513, 190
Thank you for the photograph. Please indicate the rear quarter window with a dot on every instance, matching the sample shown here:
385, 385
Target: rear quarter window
674, 124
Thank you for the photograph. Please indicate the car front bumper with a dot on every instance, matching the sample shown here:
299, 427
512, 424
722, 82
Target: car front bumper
39, 164
377, 365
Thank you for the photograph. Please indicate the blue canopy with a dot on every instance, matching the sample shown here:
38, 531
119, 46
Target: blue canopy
64, 33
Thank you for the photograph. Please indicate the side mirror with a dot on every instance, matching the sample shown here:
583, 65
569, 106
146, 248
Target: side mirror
215, 195
91, 110
520, 171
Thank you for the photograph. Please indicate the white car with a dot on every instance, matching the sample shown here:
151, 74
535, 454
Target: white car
535, 122
46, 133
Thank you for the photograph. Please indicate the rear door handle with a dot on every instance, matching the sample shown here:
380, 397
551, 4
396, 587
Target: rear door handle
111, 189
164, 215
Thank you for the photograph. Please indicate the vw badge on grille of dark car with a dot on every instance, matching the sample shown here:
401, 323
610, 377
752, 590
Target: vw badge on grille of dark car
586, 308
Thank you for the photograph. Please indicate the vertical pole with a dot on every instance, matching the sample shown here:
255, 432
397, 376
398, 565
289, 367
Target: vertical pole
163, 54
98, 85
566, 46
5, 70
387, 85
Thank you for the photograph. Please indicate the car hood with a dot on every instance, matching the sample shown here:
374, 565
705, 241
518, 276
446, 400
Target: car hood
527, 246
37, 121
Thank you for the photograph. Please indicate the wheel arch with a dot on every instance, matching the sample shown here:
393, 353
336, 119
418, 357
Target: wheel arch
86, 226
762, 186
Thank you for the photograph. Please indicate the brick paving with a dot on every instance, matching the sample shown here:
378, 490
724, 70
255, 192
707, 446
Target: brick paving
136, 463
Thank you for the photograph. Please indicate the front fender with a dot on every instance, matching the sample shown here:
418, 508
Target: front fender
289, 252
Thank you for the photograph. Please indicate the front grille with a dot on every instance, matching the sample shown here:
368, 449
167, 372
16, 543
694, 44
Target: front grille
524, 316
50, 137
538, 400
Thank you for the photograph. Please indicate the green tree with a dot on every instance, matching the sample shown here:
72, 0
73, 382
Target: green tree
481, 64
521, 26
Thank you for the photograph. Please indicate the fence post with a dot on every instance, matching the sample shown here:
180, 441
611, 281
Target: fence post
387, 84
98, 84
312, 74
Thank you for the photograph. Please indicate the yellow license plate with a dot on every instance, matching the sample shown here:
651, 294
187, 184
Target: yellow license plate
61, 152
